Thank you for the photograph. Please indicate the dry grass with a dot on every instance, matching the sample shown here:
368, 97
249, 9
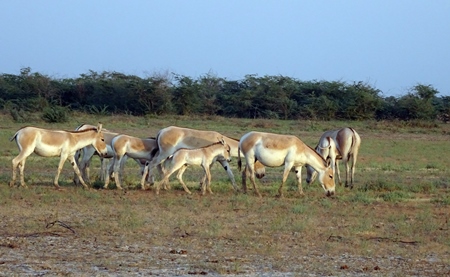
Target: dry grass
394, 223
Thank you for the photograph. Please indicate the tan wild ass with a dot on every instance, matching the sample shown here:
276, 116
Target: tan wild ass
172, 138
275, 150
86, 154
204, 156
341, 144
53, 143
125, 146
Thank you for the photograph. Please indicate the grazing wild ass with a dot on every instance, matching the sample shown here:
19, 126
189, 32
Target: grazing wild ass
124, 146
275, 150
204, 156
172, 138
341, 144
54, 143
86, 154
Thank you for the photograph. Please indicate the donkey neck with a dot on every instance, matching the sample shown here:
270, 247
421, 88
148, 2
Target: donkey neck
315, 160
234, 145
84, 138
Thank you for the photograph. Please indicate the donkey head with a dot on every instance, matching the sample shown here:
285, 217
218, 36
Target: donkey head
227, 149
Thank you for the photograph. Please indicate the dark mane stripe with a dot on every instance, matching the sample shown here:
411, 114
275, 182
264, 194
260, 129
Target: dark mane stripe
189, 149
235, 139
324, 161
86, 130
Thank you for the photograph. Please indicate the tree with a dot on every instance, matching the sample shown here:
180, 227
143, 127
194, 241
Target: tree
185, 95
417, 104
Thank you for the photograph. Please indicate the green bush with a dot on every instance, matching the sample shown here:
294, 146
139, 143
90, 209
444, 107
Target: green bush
55, 114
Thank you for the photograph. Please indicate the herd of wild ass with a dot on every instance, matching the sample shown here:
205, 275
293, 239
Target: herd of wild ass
175, 148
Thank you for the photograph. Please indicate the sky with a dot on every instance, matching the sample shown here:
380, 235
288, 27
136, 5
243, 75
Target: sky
391, 45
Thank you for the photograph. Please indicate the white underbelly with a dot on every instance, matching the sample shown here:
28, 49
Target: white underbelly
269, 157
48, 151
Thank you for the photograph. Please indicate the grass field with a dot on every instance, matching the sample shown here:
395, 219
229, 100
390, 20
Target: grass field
395, 222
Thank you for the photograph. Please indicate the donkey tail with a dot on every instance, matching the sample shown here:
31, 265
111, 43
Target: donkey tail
239, 162
353, 138
14, 137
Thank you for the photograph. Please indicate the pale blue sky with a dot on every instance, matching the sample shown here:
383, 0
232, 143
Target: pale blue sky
390, 44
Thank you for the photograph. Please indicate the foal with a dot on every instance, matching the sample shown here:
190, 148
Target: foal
205, 157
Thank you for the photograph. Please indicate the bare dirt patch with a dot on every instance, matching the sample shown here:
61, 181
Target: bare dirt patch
103, 233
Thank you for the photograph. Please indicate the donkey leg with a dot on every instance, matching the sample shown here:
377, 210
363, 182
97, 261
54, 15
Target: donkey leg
117, 172
227, 168
102, 169
347, 173
208, 178
202, 181
77, 156
352, 176
22, 176
338, 172
87, 171
75, 169
245, 173
145, 172
109, 172
167, 173
163, 181
167, 183
19, 164
204, 184
180, 178
298, 173
158, 184
60, 166
83, 165
287, 169
15, 163
251, 174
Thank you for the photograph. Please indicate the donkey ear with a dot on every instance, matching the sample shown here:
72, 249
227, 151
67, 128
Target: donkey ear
328, 160
329, 142
99, 127
221, 140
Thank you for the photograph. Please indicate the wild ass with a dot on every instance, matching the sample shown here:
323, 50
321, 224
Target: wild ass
124, 146
172, 138
341, 144
275, 150
53, 143
86, 154
204, 156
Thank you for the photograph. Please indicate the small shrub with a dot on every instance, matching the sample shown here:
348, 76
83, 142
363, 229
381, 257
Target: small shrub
360, 197
422, 188
380, 185
395, 196
442, 183
299, 209
18, 115
55, 114
443, 200
92, 109
326, 203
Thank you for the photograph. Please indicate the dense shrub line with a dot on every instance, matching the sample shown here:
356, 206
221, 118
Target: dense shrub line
274, 97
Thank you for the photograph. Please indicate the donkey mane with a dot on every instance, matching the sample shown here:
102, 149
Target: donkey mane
212, 144
82, 131
235, 139
324, 161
